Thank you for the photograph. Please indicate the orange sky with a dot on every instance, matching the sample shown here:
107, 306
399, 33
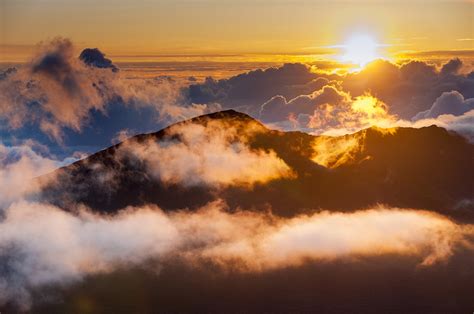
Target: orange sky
212, 28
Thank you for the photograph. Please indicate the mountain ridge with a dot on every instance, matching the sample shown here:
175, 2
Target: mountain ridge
427, 168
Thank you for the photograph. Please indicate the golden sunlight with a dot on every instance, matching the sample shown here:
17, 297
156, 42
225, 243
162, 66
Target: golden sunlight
370, 106
360, 49
371, 111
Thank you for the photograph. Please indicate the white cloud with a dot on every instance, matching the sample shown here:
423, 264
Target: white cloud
43, 244
215, 154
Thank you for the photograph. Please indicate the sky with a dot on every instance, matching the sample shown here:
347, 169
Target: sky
159, 61
210, 28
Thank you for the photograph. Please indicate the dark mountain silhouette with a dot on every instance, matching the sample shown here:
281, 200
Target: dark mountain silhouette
427, 168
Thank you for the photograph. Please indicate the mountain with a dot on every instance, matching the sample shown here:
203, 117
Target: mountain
427, 168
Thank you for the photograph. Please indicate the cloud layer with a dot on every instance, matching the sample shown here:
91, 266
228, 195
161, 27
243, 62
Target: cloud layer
384, 94
82, 99
44, 245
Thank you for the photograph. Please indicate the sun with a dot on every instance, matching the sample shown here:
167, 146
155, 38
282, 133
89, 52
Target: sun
360, 49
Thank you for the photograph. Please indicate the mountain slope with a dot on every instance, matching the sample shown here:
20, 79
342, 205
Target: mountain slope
428, 168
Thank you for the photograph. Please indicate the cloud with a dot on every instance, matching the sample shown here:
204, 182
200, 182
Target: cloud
452, 67
56, 90
249, 90
81, 100
406, 89
450, 111
5, 73
19, 165
73, 98
95, 58
325, 235
329, 110
279, 109
44, 245
462, 124
410, 87
382, 94
448, 103
354, 114
215, 154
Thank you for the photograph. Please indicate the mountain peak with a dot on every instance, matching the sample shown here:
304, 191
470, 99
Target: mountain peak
225, 114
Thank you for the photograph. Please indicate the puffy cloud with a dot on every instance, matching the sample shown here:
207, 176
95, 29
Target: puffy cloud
409, 88
452, 67
59, 86
342, 104
56, 90
279, 109
450, 111
249, 90
448, 103
215, 153
354, 114
329, 110
44, 245
95, 58
406, 89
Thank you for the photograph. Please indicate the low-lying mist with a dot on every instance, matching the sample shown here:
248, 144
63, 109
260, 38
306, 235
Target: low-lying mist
43, 245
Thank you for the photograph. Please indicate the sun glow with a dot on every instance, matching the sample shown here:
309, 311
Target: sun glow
360, 49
